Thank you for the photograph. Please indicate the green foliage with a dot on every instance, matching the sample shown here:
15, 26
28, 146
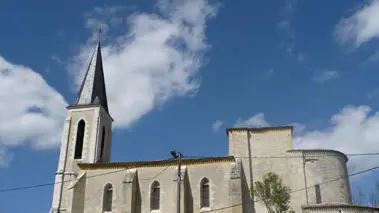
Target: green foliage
374, 197
359, 197
367, 197
273, 193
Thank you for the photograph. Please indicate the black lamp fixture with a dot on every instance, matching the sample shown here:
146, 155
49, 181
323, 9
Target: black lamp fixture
174, 154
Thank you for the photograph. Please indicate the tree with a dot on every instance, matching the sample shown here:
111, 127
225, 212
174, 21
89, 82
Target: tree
374, 197
368, 198
273, 193
358, 197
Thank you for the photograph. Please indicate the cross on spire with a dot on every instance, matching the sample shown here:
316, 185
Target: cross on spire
99, 34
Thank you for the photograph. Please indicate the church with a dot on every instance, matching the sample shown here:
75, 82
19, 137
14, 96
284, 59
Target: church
87, 181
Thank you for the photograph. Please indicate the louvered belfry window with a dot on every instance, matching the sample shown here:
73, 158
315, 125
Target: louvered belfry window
79, 140
102, 145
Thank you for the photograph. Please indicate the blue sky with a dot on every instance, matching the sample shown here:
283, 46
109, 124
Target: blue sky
179, 72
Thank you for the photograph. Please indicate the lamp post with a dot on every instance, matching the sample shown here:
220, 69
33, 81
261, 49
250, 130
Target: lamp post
178, 155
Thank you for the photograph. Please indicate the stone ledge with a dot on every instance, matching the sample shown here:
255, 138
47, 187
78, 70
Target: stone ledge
337, 207
314, 152
261, 129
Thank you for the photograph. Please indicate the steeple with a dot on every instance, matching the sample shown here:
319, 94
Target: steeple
93, 90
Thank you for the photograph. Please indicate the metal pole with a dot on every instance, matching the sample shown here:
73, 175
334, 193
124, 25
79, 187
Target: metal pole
179, 180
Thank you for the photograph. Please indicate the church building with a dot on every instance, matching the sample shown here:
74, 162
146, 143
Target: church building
87, 181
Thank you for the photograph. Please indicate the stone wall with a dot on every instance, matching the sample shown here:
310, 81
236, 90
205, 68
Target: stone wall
131, 185
95, 118
270, 149
262, 150
327, 171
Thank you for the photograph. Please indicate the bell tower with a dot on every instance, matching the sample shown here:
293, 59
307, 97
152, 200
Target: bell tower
90, 118
87, 132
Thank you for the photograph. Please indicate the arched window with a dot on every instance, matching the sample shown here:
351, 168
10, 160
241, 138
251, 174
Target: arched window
79, 140
204, 193
107, 198
102, 144
155, 196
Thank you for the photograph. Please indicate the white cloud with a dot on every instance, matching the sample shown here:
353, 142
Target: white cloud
287, 12
5, 157
298, 129
372, 94
104, 18
352, 130
360, 27
31, 112
301, 57
217, 125
270, 72
258, 120
324, 76
157, 58
373, 58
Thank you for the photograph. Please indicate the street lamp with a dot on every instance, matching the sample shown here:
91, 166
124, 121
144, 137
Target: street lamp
178, 155
173, 154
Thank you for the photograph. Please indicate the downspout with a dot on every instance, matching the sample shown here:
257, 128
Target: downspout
250, 160
305, 178
251, 171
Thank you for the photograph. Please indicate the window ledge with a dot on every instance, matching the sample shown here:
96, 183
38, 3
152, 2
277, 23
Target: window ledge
107, 212
205, 209
155, 211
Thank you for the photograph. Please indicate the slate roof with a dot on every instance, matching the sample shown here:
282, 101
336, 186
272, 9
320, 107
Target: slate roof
92, 90
155, 163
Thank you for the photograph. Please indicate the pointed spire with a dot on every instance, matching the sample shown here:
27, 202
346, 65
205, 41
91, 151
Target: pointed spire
93, 90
